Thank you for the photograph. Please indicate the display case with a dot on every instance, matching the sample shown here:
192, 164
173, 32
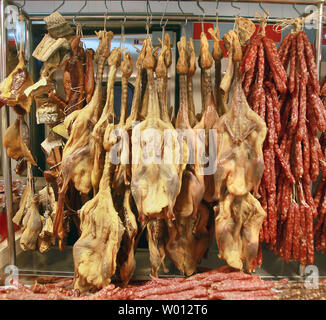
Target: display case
191, 21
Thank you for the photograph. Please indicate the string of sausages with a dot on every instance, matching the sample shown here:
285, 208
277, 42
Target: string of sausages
320, 194
290, 104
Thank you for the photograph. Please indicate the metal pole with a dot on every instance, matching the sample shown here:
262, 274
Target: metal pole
6, 163
140, 18
319, 33
306, 2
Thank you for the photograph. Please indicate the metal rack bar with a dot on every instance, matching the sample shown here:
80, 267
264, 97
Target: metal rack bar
306, 2
140, 17
6, 162
319, 37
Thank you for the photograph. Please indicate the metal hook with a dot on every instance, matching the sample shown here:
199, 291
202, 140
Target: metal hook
20, 7
186, 18
235, 7
107, 9
123, 38
201, 8
216, 14
166, 6
148, 19
295, 8
63, 2
217, 5
106, 15
74, 21
261, 7
203, 17
124, 13
148, 9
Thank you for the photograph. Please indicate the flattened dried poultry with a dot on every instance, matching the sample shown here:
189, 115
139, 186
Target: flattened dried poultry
32, 226
89, 75
186, 245
155, 186
73, 79
77, 162
12, 88
95, 252
120, 180
26, 199
126, 255
241, 133
13, 141
237, 227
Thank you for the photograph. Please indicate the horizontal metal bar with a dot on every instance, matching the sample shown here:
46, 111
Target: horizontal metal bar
307, 2
171, 18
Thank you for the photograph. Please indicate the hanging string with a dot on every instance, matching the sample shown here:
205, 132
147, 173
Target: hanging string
216, 17
70, 107
148, 19
298, 23
106, 18
147, 26
79, 29
263, 22
123, 37
236, 16
287, 23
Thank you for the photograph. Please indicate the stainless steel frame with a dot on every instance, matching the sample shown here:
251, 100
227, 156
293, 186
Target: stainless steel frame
6, 164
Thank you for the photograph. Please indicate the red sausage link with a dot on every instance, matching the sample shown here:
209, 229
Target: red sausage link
301, 57
311, 63
293, 55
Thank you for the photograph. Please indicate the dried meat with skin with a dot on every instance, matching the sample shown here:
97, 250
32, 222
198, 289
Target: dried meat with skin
12, 88
13, 141
161, 71
89, 75
189, 237
107, 118
237, 229
95, 252
241, 133
121, 185
209, 119
32, 226
77, 163
155, 186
